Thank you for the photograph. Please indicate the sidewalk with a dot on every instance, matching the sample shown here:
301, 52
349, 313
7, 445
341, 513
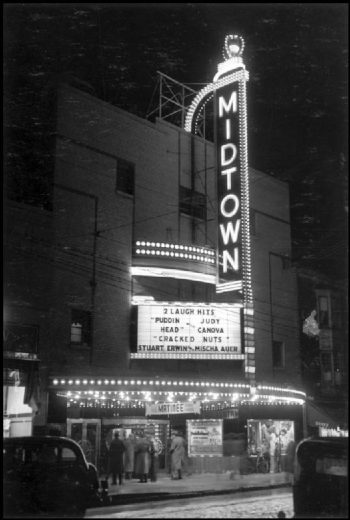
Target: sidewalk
132, 492
194, 485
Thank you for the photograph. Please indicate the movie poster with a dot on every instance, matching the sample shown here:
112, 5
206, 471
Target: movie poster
204, 437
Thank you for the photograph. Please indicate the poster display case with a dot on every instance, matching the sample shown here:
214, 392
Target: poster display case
272, 439
204, 437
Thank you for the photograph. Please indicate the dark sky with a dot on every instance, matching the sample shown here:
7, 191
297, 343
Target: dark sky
296, 54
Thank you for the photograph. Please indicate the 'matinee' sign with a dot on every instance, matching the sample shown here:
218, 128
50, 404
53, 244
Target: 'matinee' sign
229, 184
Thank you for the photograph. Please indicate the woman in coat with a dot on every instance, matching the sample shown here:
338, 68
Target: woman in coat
143, 458
177, 450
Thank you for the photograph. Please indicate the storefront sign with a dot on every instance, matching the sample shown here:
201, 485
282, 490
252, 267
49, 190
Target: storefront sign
172, 408
204, 437
231, 414
210, 329
332, 432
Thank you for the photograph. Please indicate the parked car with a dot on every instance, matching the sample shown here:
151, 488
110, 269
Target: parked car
47, 476
320, 487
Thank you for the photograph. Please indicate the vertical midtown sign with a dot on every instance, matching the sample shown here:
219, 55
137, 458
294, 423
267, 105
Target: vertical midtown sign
229, 91
229, 160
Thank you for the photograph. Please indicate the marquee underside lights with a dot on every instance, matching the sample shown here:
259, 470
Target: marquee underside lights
147, 386
132, 399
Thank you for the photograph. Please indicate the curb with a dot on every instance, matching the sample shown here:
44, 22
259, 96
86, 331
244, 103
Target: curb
116, 500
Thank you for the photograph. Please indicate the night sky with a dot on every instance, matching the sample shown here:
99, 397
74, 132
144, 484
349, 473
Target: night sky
296, 54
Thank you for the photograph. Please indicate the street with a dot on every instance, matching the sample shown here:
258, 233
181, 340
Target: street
260, 504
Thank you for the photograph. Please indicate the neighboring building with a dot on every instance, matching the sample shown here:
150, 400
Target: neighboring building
128, 250
324, 356
27, 295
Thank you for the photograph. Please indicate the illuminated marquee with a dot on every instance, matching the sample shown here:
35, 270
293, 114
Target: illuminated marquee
195, 330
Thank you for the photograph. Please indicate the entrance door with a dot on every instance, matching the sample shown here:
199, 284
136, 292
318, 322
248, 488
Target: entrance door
87, 433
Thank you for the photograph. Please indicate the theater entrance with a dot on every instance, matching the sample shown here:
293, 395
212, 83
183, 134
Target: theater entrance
87, 433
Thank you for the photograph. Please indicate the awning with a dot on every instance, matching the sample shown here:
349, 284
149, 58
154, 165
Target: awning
326, 418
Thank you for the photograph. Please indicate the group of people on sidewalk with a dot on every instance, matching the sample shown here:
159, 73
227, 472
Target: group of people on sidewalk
132, 457
136, 457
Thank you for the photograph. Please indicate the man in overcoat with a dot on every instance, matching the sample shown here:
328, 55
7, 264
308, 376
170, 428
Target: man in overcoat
116, 459
177, 450
143, 458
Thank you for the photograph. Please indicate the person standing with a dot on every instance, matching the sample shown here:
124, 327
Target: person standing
168, 453
129, 456
154, 461
177, 450
143, 458
116, 456
272, 449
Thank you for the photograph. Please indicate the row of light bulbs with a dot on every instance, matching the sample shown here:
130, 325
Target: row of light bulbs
193, 249
176, 383
207, 90
151, 382
153, 252
206, 405
182, 355
245, 192
148, 395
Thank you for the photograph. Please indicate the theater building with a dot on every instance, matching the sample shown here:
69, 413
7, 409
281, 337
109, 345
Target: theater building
171, 300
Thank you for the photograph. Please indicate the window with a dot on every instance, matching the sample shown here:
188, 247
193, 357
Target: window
192, 231
80, 331
326, 366
323, 311
277, 354
192, 203
286, 262
125, 176
21, 338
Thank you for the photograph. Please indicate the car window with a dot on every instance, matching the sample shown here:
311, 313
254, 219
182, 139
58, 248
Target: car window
68, 455
13, 456
47, 454
332, 466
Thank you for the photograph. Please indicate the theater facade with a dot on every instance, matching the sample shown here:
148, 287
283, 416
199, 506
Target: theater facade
173, 302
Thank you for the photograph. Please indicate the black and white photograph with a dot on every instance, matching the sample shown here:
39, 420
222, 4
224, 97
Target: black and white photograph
175, 251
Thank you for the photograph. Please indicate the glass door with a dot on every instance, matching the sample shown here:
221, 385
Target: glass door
87, 433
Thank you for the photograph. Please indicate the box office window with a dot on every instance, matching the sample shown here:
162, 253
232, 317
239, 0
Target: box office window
125, 180
80, 331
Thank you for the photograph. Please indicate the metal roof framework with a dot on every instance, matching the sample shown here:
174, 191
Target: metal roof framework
173, 101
